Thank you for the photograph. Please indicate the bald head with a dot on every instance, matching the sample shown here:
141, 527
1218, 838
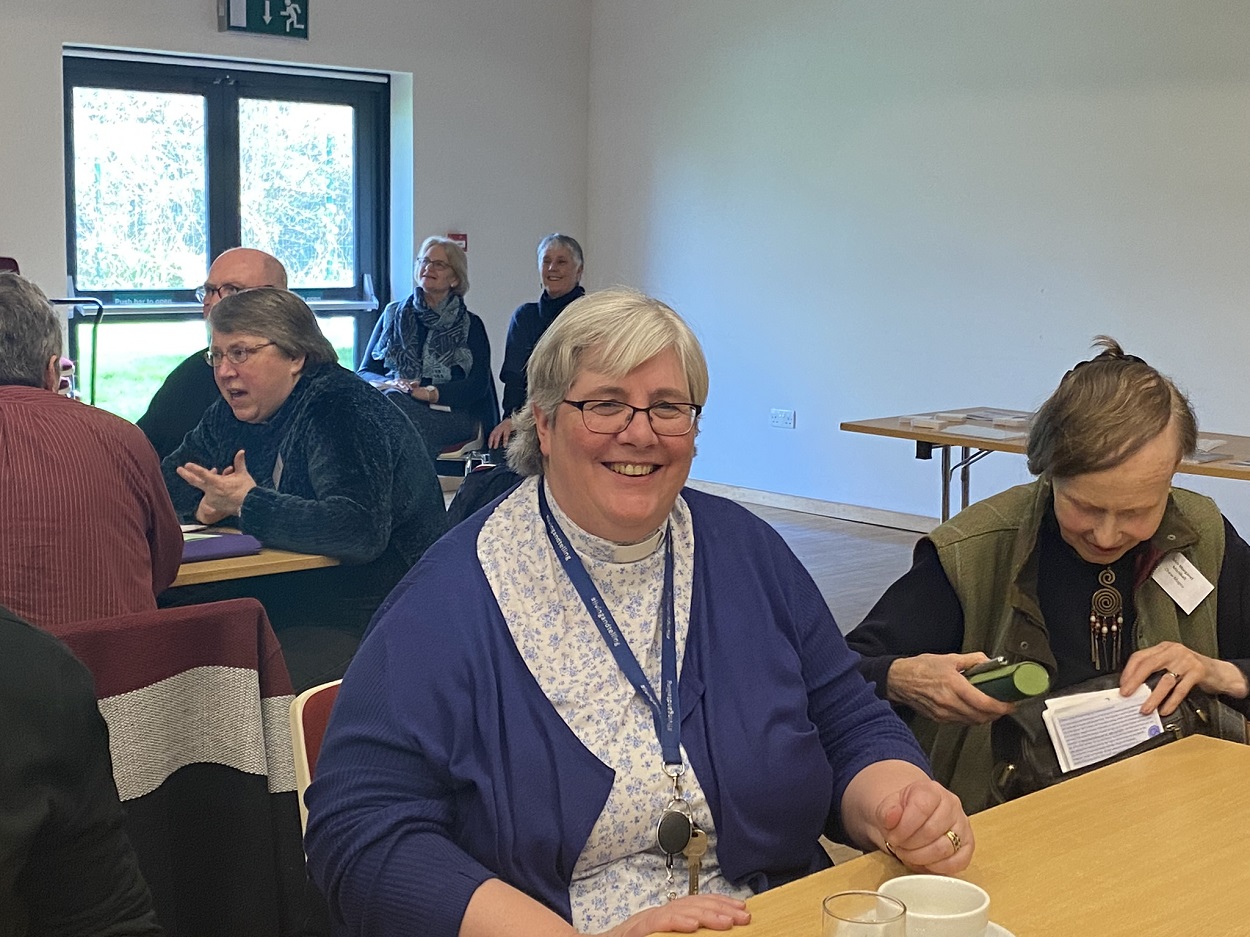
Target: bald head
241, 268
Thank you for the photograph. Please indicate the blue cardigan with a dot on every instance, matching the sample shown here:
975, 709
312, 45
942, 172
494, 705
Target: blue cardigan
445, 764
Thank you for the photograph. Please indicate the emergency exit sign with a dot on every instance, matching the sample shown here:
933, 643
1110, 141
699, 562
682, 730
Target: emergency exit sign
272, 17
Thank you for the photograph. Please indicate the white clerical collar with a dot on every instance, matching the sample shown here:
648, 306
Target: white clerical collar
598, 548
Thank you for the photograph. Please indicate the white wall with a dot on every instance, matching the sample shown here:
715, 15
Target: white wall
866, 207
872, 207
497, 130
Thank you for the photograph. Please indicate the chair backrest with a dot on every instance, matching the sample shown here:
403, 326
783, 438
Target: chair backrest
310, 714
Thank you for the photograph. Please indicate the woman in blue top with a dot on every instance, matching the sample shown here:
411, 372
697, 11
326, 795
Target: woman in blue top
560, 267
601, 658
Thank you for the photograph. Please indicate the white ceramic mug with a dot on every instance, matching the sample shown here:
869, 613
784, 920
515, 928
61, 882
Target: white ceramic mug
941, 906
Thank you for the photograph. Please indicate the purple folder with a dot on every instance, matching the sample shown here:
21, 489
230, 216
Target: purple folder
216, 546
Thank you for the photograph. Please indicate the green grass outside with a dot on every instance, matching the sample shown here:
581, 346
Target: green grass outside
136, 357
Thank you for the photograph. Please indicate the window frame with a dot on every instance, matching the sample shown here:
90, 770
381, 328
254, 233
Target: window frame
222, 84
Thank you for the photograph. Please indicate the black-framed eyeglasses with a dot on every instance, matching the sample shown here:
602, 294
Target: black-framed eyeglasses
437, 265
207, 290
609, 417
236, 355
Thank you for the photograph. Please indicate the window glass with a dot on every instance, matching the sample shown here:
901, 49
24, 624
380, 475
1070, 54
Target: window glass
168, 164
296, 166
135, 357
139, 184
134, 360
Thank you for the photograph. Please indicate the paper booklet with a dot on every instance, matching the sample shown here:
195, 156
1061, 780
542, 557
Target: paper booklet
1086, 728
382, 382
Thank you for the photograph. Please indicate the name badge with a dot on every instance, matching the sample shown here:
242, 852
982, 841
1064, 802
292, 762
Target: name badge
1180, 579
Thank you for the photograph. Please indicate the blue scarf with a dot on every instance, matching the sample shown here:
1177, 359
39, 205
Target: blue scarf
423, 343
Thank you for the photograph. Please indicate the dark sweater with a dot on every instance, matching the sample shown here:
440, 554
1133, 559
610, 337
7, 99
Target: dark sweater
66, 865
356, 482
179, 404
528, 324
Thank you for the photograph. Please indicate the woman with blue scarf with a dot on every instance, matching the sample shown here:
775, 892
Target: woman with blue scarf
431, 356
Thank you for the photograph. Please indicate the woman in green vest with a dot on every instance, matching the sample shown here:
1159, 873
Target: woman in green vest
1059, 572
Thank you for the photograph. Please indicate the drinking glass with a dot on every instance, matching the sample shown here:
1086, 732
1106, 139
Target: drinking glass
863, 914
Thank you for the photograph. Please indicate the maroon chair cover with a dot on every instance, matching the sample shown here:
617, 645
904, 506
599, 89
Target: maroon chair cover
196, 699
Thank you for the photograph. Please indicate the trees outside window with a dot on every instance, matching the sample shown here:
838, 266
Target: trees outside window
168, 165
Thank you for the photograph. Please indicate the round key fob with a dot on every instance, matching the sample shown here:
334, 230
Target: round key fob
673, 832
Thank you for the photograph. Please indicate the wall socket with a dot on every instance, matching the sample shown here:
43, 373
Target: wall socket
782, 419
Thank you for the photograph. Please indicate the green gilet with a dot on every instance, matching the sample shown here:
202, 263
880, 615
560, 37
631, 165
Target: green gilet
989, 554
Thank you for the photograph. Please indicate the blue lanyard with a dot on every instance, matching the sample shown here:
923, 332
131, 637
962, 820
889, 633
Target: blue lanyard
666, 709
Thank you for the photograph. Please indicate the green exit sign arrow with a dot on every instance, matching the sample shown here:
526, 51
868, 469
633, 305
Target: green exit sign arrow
272, 17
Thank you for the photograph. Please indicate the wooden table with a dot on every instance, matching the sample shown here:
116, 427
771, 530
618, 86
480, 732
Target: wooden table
1154, 846
265, 563
979, 433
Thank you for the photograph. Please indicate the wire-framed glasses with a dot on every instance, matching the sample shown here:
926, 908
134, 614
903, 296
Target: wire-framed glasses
612, 416
236, 355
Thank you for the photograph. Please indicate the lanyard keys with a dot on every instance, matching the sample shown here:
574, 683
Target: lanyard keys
673, 832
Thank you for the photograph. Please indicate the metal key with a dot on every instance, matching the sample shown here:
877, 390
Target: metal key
694, 857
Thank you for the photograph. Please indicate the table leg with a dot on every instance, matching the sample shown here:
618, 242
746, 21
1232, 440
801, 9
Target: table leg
965, 476
946, 483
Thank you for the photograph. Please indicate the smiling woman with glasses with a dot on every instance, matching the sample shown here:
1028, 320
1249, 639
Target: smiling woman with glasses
303, 455
431, 356
576, 708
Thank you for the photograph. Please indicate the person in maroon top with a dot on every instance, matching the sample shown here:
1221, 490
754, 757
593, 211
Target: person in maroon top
87, 529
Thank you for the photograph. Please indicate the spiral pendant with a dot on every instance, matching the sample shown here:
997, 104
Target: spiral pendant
1106, 622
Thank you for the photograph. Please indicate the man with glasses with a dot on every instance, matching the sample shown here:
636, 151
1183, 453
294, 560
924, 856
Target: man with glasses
190, 389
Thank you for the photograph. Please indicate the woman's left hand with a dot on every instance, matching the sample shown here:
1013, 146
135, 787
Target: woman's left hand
1183, 669
685, 915
223, 491
428, 392
925, 828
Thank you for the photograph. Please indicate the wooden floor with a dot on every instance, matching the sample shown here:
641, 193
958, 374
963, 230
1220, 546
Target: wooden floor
851, 563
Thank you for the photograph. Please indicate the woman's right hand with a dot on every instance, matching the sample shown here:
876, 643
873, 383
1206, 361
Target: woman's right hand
500, 435
934, 686
685, 915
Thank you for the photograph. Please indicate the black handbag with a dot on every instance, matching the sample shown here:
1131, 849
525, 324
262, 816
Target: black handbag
1025, 759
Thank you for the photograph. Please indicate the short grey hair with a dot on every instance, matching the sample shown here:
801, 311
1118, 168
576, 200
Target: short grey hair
561, 240
455, 256
30, 332
1103, 412
613, 331
277, 315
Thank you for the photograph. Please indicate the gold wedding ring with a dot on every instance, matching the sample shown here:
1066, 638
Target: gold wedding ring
890, 850
1174, 675
954, 838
